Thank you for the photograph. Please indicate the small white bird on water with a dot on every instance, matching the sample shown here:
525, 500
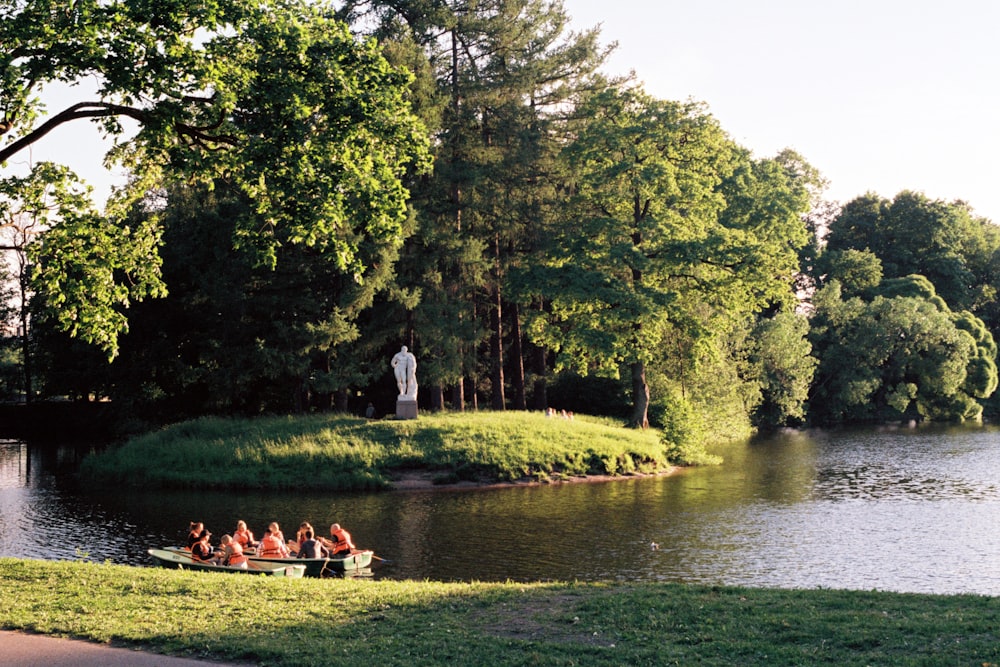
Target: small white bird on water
654, 546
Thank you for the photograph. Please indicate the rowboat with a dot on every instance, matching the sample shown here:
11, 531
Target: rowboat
180, 561
317, 567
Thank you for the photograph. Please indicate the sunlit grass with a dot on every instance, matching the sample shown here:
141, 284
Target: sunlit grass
348, 453
276, 622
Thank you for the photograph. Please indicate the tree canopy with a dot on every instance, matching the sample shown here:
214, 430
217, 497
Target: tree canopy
313, 185
274, 97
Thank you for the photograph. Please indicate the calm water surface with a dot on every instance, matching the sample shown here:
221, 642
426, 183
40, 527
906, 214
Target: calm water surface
897, 509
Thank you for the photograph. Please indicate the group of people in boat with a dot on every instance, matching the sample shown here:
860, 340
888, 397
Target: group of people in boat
233, 549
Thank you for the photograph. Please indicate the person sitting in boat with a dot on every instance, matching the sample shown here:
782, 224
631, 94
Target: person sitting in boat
310, 547
340, 541
276, 529
202, 549
243, 536
300, 536
194, 533
272, 545
232, 553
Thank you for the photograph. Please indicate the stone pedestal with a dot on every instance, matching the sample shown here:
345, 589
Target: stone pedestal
406, 408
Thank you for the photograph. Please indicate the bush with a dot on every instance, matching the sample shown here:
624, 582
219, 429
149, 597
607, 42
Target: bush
684, 434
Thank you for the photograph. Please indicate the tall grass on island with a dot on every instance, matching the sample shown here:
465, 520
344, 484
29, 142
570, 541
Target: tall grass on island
276, 622
338, 452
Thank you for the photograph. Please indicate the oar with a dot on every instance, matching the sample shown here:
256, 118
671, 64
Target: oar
199, 560
384, 560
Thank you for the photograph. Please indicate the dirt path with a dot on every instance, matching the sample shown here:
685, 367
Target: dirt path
18, 649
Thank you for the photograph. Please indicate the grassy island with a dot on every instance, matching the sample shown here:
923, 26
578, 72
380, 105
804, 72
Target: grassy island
266, 621
337, 452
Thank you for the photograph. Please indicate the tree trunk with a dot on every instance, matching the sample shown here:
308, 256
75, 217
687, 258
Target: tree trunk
437, 397
340, 400
640, 396
473, 399
26, 365
497, 399
540, 399
540, 369
517, 359
458, 396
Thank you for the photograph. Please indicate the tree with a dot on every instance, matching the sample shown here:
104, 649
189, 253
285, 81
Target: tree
783, 368
236, 337
903, 354
912, 234
84, 270
275, 97
508, 74
671, 218
857, 271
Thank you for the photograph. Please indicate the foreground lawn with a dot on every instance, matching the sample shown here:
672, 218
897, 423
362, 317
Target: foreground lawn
344, 622
337, 452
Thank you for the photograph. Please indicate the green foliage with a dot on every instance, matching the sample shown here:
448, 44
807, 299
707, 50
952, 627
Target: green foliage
507, 73
913, 234
670, 219
86, 268
273, 97
713, 389
899, 356
236, 337
11, 373
857, 271
11, 362
782, 364
684, 434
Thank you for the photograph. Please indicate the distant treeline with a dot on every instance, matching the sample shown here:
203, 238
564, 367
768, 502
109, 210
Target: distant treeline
538, 235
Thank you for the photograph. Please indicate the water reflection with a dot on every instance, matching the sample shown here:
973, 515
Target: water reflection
903, 509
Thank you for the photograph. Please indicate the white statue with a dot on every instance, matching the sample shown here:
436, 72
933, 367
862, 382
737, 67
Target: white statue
404, 366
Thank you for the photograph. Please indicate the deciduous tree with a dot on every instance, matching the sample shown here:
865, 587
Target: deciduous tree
675, 228
274, 97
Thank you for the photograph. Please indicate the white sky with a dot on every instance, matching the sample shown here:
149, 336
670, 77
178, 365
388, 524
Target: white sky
879, 95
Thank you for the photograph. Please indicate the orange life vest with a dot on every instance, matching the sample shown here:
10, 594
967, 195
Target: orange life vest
271, 547
236, 557
341, 541
243, 537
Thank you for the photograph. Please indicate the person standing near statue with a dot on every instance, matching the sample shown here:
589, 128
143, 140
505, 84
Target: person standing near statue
404, 366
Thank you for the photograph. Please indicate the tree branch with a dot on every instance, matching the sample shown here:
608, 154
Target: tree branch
198, 135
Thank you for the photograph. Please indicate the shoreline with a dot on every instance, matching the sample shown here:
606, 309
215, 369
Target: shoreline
423, 480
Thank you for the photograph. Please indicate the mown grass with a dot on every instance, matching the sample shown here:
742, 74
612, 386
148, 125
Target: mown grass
336, 452
340, 622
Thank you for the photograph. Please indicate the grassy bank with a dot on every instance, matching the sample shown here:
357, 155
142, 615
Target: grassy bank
340, 622
337, 452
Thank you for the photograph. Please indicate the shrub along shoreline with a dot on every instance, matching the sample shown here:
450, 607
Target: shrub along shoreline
274, 622
345, 453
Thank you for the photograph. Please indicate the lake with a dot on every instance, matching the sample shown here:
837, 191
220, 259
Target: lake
900, 509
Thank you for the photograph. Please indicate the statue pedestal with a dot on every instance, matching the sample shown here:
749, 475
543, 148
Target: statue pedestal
406, 408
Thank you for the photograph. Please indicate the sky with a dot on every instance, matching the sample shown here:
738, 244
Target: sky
878, 95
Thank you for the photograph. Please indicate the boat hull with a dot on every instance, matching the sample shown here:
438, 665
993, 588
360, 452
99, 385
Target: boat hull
179, 561
317, 567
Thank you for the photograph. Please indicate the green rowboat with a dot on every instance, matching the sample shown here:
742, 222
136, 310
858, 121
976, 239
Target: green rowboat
180, 561
317, 567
